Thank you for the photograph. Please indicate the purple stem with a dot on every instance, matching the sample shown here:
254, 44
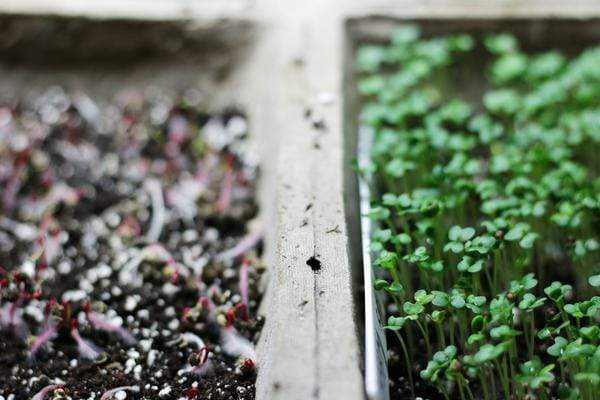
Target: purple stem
224, 200
41, 395
47, 334
86, 348
243, 246
11, 189
99, 322
244, 282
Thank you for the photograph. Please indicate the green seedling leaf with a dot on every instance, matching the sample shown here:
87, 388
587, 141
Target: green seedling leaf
557, 348
457, 301
379, 213
594, 280
475, 338
503, 101
387, 260
370, 58
530, 302
478, 323
534, 374
501, 43
458, 234
382, 235
481, 244
398, 167
381, 284
501, 310
422, 297
440, 299
461, 43
469, 264
417, 256
557, 291
508, 67
590, 332
405, 34
517, 232
474, 303
440, 363
395, 288
395, 323
402, 238
574, 310
545, 66
438, 316
413, 308
454, 247
504, 332
577, 349
527, 282
486, 353
528, 240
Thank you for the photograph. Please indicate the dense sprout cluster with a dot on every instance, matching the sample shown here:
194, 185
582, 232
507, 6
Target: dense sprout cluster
489, 215
128, 248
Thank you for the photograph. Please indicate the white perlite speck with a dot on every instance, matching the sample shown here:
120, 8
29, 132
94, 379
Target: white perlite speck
164, 392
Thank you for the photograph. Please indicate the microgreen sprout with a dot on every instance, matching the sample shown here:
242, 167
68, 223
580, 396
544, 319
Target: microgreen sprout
45, 391
86, 348
98, 321
244, 282
247, 243
486, 239
233, 343
200, 362
49, 329
224, 200
158, 209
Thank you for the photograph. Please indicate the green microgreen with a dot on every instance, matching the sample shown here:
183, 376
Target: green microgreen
488, 213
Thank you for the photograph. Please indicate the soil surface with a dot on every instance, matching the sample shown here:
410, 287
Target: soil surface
129, 249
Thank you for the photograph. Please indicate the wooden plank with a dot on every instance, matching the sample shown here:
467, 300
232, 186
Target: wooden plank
310, 347
474, 9
142, 10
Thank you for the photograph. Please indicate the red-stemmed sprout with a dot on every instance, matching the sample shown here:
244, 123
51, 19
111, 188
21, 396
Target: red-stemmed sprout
98, 321
200, 362
12, 187
246, 263
235, 344
86, 348
205, 308
49, 329
249, 241
45, 391
225, 195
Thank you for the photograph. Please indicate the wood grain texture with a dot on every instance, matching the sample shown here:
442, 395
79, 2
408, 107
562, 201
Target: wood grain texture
310, 347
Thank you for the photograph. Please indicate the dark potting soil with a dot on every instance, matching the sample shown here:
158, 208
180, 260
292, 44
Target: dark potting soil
129, 241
